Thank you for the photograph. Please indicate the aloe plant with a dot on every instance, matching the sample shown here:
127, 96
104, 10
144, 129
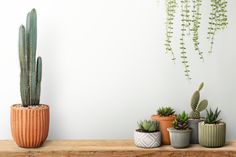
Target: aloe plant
31, 70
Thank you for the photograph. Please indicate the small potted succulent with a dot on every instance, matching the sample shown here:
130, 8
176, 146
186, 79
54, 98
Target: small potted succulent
180, 133
30, 119
147, 135
194, 116
165, 116
212, 131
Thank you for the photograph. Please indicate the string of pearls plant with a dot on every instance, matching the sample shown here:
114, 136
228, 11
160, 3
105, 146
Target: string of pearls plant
191, 17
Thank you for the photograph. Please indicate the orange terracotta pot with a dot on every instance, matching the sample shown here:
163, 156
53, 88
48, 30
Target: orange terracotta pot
29, 125
165, 122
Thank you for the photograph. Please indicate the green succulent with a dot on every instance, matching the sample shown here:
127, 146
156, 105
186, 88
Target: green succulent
165, 111
212, 117
148, 126
195, 105
181, 121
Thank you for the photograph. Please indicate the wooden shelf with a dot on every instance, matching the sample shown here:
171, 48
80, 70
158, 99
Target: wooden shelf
111, 148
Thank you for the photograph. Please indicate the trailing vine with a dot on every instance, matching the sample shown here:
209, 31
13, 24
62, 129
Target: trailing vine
185, 24
190, 25
196, 17
218, 20
170, 12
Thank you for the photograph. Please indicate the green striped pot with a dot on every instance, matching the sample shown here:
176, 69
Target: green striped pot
211, 135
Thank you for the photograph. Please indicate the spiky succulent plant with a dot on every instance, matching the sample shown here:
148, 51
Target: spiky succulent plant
148, 126
165, 111
181, 121
31, 70
195, 105
212, 117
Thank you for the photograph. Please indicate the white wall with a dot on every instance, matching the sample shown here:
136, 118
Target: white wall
104, 66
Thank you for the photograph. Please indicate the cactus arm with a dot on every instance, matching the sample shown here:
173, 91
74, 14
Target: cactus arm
32, 45
195, 100
202, 105
22, 59
38, 79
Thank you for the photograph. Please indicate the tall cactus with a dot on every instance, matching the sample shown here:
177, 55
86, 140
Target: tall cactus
195, 105
31, 71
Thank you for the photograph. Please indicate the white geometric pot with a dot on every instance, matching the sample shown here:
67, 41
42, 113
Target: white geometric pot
147, 140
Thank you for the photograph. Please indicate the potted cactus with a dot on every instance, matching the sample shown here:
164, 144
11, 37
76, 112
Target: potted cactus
194, 116
180, 133
147, 135
30, 119
165, 116
212, 130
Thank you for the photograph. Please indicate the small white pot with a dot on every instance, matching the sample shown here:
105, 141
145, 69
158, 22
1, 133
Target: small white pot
147, 140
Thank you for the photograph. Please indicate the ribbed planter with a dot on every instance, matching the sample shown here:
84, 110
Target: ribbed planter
165, 122
147, 140
193, 124
29, 125
212, 135
179, 138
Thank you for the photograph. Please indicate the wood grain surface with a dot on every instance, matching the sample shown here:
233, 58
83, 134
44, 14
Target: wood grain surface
111, 148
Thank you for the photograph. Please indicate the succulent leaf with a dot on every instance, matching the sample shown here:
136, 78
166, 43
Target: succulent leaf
201, 86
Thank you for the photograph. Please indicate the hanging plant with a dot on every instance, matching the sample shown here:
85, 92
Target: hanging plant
218, 20
196, 18
185, 25
170, 14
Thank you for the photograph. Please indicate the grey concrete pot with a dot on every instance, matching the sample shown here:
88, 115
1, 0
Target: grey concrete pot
147, 140
193, 124
212, 135
179, 138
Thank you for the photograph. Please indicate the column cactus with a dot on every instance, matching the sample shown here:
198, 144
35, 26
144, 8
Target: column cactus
195, 105
31, 70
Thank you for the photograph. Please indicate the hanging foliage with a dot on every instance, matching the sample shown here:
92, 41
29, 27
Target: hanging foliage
170, 13
218, 20
196, 18
185, 24
190, 24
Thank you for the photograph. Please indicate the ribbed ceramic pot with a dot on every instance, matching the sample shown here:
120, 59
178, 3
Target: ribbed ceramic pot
29, 125
165, 122
212, 135
147, 140
179, 138
193, 124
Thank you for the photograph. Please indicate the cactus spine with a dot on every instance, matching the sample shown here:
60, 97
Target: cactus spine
31, 71
195, 105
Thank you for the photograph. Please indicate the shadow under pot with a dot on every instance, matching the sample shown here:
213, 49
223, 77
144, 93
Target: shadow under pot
193, 124
179, 138
147, 140
212, 135
29, 125
165, 123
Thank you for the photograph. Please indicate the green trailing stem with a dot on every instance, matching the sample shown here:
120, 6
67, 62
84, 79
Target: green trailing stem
31, 70
170, 13
196, 18
195, 105
218, 20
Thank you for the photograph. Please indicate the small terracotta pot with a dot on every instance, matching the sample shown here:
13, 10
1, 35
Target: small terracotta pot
29, 125
165, 123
